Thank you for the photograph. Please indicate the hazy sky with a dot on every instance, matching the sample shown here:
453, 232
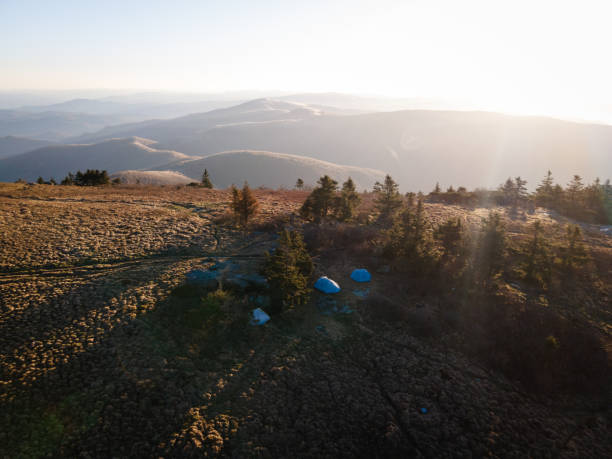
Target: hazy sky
526, 56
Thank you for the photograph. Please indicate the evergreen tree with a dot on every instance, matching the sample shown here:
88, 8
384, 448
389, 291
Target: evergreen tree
40, 181
68, 180
244, 204
52, 181
91, 177
545, 192
410, 199
322, 199
508, 192
388, 200
538, 264
347, 201
558, 196
206, 183
573, 255
299, 184
437, 189
520, 190
574, 187
513, 191
450, 236
607, 201
410, 239
491, 247
288, 271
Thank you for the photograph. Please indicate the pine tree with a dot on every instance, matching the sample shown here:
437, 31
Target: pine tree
410, 199
491, 247
91, 177
206, 183
288, 271
573, 255
322, 199
40, 180
544, 191
68, 180
450, 235
410, 239
347, 201
299, 184
607, 204
388, 200
520, 190
508, 191
574, 187
538, 264
437, 189
244, 204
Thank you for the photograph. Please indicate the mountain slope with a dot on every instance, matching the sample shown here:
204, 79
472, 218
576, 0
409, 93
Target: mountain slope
264, 168
184, 129
11, 145
418, 147
54, 125
113, 155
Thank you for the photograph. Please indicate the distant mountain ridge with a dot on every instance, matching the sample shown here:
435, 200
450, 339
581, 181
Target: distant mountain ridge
136, 110
54, 125
173, 131
418, 147
112, 155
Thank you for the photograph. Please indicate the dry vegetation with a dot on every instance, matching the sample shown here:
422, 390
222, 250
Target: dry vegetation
104, 352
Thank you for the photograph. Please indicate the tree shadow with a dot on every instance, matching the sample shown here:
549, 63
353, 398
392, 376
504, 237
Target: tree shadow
127, 391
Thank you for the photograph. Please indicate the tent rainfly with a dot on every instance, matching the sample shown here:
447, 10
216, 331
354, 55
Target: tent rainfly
361, 275
326, 285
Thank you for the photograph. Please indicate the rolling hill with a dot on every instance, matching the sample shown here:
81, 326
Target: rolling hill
188, 129
113, 155
11, 145
475, 148
264, 168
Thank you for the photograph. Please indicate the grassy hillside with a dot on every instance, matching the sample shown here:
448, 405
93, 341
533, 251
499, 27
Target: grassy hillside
112, 155
264, 168
107, 351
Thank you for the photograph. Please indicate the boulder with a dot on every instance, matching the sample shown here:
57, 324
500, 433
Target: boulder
207, 279
246, 281
326, 285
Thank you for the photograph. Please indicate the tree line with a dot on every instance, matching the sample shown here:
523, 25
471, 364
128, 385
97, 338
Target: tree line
417, 245
585, 202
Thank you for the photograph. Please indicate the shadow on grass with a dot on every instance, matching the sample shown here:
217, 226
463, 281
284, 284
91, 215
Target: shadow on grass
131, 391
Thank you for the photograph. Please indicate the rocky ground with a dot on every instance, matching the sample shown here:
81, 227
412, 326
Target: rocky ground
107, 353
